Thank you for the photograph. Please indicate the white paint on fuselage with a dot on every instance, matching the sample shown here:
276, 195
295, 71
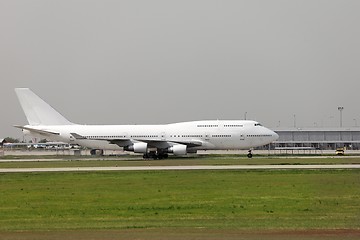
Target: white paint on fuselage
214, 135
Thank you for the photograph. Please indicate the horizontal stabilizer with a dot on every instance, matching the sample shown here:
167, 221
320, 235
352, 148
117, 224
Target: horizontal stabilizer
44, 132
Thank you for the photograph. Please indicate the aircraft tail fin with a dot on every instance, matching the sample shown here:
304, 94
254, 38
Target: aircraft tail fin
37, 111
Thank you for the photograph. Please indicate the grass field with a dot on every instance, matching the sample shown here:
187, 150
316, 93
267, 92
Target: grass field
297, 204
188, 199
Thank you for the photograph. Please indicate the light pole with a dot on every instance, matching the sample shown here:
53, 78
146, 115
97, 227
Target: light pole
355, 120
340, 109
245, 115
294, 121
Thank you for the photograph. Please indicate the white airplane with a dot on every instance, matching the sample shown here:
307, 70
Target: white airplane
153, 141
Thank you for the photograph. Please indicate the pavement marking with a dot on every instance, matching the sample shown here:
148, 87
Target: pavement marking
169, 168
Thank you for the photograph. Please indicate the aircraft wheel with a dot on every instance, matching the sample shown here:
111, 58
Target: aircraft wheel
152, 155
162, 156
97, 152
249, 155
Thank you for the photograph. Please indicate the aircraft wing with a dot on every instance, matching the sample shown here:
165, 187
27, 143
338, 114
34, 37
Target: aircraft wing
151, 142
191, 143
119, 142
162, 144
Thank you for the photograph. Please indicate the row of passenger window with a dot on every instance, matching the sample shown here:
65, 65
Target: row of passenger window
227, 125
194, 136
221, 136
144, 136
208, 126
104, 137
156, 136
264, 135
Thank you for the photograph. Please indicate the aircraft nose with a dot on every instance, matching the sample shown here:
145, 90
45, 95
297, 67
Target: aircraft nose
275, 136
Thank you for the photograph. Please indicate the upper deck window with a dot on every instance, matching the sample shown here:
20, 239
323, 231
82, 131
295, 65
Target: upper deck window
258, 124
233, 125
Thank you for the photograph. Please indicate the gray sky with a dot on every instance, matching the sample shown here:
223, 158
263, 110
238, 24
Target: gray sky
153, 62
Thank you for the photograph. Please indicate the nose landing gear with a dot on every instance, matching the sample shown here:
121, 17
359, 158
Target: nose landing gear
249, 155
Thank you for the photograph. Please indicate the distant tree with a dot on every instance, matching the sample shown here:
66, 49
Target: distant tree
12, 140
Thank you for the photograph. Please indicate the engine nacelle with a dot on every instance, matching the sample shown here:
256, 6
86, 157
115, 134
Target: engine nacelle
139, 147
178, 149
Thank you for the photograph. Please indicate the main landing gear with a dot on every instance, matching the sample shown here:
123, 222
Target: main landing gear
97, 152
249, 155
154, 155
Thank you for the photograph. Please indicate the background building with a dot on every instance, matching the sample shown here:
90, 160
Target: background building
317, 138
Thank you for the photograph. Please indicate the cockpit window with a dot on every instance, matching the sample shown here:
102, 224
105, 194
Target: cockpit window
258, 124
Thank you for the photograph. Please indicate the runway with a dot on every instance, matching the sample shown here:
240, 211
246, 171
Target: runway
179, 168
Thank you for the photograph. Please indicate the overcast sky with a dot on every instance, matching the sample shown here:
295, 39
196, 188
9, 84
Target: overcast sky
154, 62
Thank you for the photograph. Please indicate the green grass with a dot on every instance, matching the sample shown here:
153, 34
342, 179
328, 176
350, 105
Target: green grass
184, 161
235, 200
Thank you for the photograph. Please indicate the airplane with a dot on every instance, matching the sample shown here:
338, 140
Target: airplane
153, 141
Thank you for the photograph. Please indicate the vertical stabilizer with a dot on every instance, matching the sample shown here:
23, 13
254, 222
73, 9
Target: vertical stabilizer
37, 111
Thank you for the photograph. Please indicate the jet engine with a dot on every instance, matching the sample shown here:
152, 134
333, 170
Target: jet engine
139, 147
178, 149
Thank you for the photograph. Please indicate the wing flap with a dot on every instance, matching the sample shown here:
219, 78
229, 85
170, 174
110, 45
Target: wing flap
192, 143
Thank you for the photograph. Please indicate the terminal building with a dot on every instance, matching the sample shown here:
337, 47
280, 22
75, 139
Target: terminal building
317, 138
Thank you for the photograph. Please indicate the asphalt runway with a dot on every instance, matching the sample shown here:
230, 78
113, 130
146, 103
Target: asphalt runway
171, 168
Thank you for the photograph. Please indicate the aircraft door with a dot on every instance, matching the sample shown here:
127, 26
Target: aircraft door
207, 136
242, 136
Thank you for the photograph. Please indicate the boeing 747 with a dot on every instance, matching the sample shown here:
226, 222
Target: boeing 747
153, 141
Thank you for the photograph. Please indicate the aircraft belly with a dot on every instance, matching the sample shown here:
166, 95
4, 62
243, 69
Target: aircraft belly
97, 144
